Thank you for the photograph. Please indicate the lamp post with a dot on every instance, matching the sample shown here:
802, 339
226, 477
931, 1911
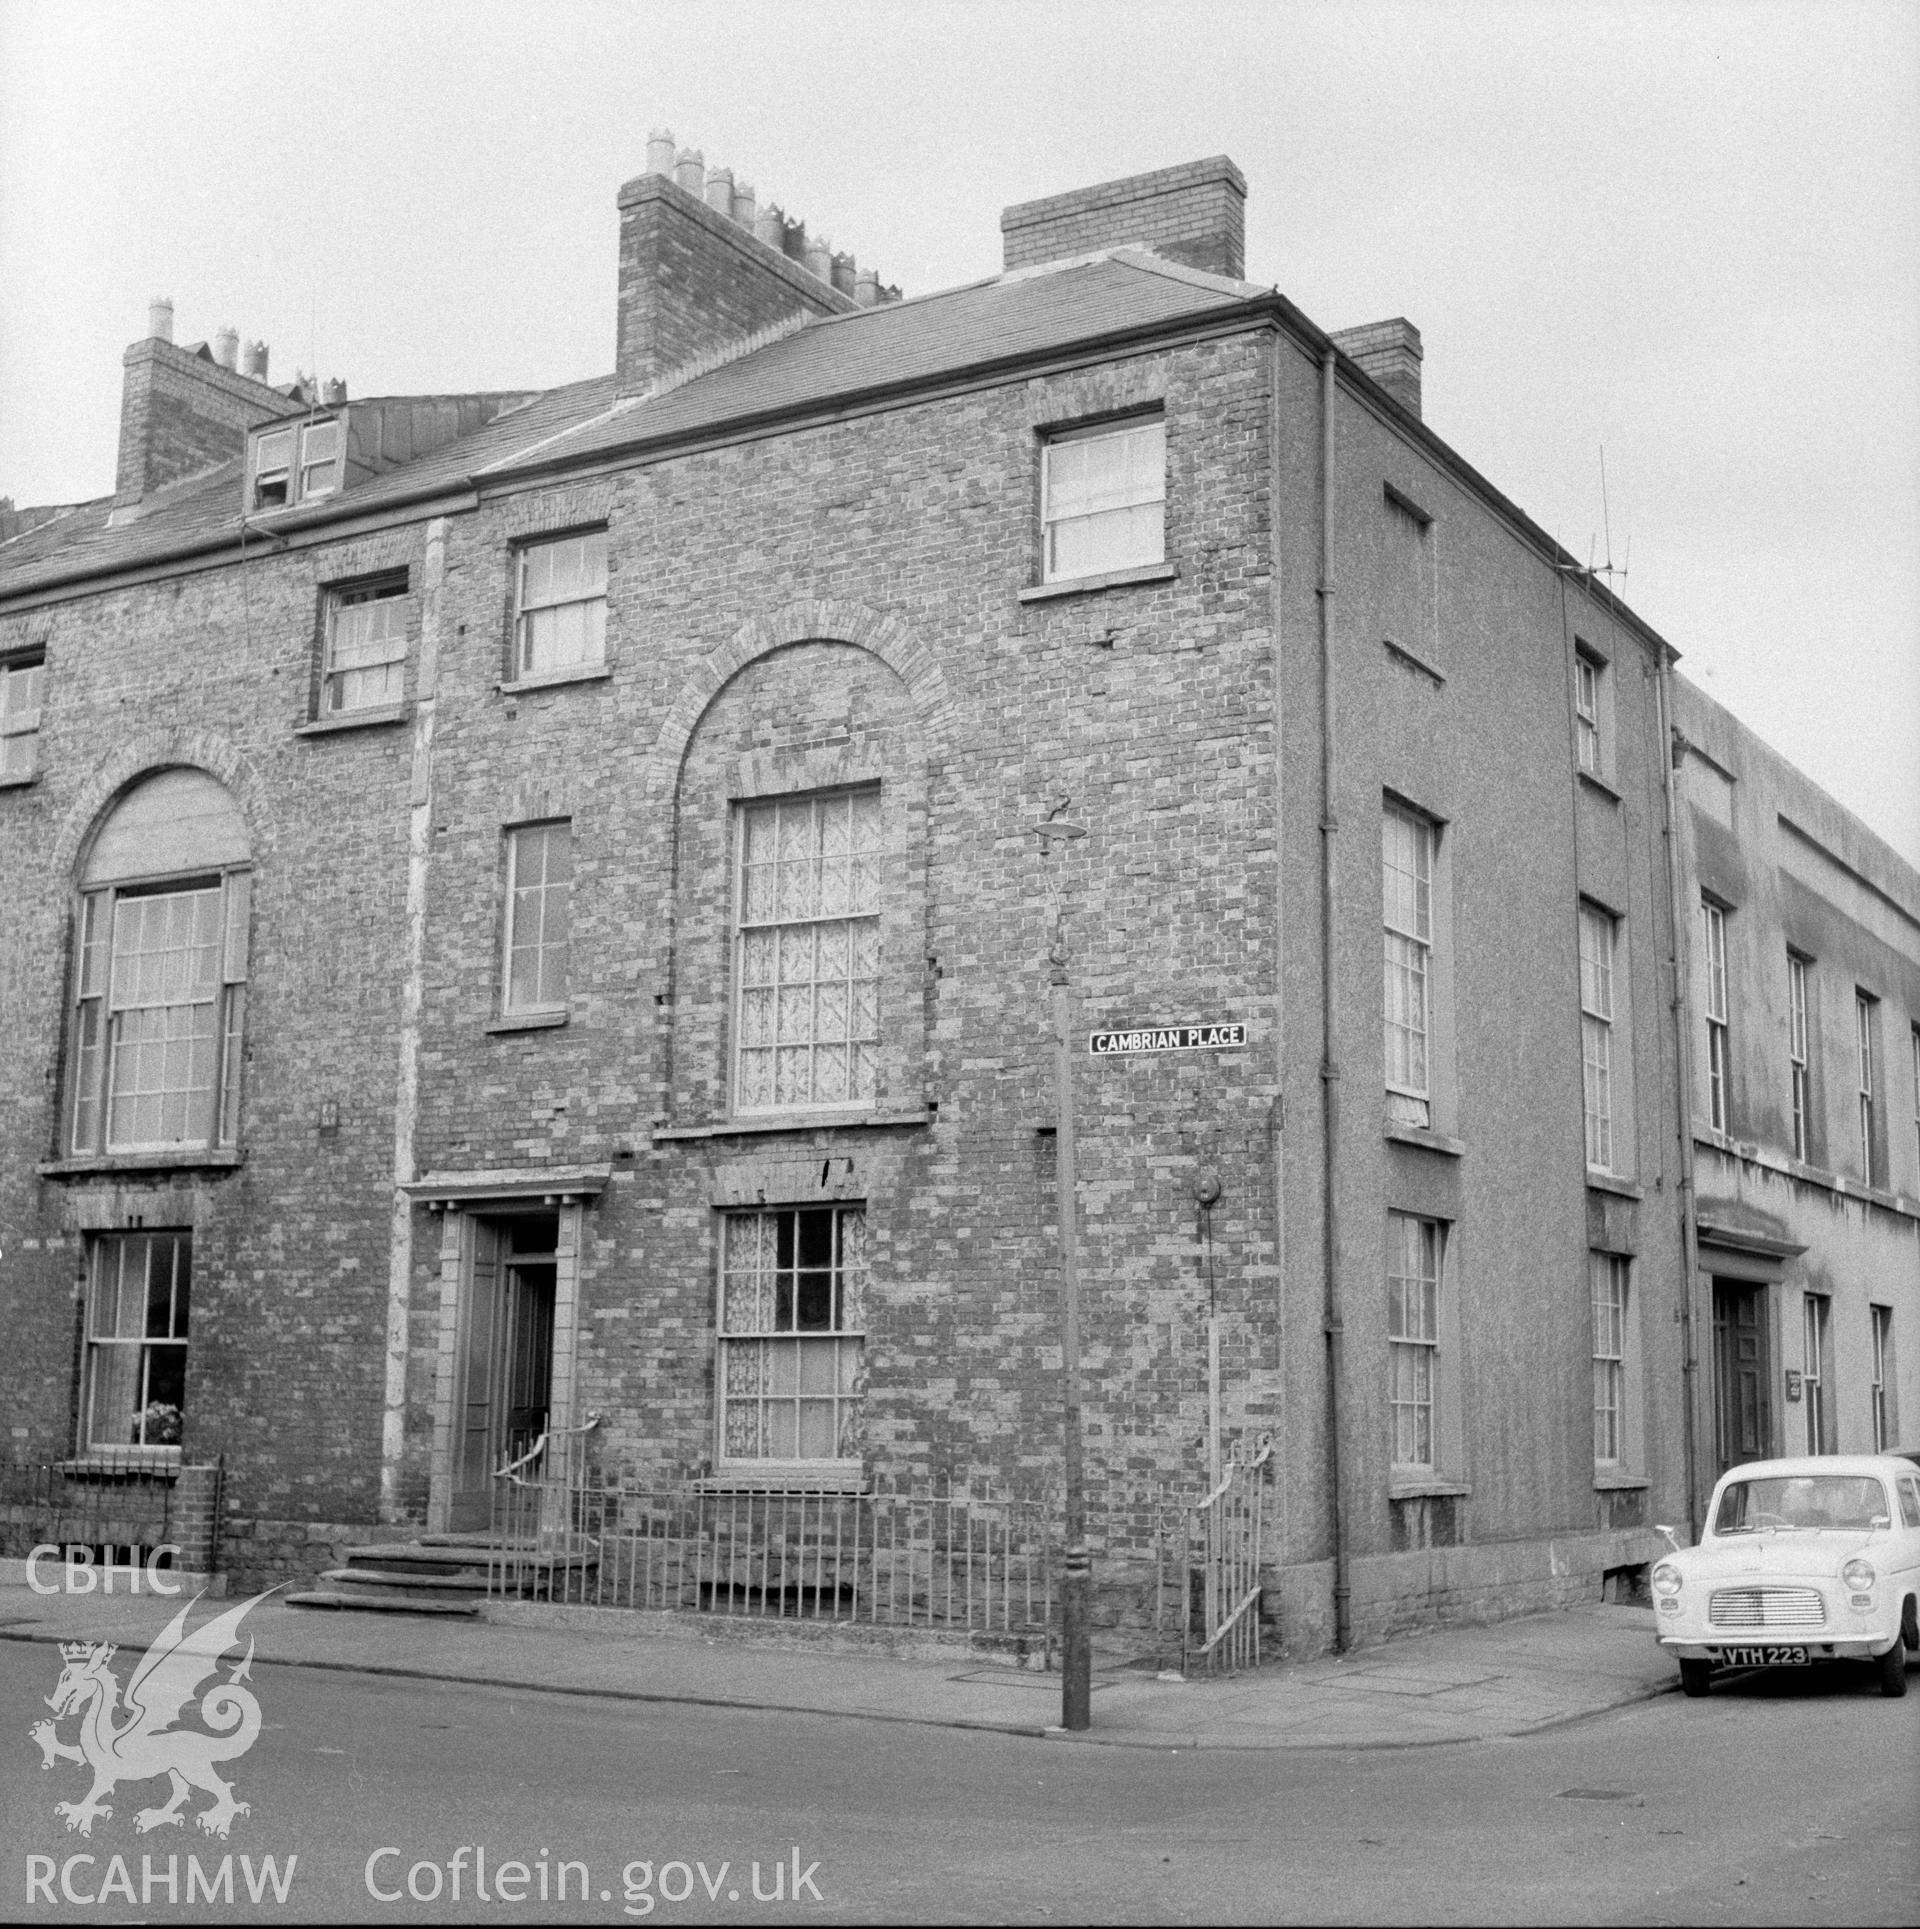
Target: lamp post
1076, 1583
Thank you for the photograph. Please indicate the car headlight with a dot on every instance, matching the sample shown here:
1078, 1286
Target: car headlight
1858, 1575
1667, 1579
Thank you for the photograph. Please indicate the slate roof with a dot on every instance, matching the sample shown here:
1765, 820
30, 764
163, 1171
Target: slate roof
828, 361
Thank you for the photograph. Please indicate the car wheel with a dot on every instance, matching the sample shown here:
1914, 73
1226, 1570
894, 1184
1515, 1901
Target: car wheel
1893, 1671
1694, 1676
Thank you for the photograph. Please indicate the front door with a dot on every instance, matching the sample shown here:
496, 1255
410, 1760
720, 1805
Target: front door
506, 1357
1742, 1429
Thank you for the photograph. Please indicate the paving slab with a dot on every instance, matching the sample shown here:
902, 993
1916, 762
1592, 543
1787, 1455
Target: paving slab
1449, 1685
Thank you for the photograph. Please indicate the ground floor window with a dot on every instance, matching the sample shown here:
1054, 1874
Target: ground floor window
1607, 1276
1414, 1251
792, 1318
1882, 1378
136, 1340
1815, 1391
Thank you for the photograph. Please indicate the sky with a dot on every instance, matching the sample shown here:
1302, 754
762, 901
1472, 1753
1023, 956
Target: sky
1685, 235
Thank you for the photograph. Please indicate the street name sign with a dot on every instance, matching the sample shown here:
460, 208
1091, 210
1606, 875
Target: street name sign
1166, 1038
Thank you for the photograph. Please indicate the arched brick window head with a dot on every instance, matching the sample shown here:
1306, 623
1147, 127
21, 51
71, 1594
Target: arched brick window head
160, 971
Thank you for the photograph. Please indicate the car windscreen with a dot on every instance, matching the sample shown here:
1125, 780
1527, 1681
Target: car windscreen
1802, 1500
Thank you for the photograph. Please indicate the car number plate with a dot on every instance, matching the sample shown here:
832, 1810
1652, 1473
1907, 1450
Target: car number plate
1762, 1658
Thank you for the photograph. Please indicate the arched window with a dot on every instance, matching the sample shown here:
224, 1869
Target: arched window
160, 971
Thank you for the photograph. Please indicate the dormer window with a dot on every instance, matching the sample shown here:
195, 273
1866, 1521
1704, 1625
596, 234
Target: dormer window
299, 462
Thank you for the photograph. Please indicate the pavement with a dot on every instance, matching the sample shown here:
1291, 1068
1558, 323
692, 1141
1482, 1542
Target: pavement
1449, 1685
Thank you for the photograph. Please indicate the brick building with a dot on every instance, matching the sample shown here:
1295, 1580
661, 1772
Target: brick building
525, 908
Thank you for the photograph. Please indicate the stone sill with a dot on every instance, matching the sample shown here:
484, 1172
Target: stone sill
787, 1477
1425, 1140
20, 780
140, 1462
554, 679
1427, 1489
794, 1122
1106, 579
200, 1159
1598, 1181
1619, 1483
369, 719
1600, 784
529, 1021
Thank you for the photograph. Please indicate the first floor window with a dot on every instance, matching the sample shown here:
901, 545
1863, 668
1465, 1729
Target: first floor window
136, 1340
366, 647
808, 952
1607, 1274
1866, 1021
1406, 883
792, 1323
1815, 1393
1103, 499
1797, 1050
22, 686
1882, 1317
539, 908
159, 1016
1713, 922
1596, 1032
1414, 1257
560, 620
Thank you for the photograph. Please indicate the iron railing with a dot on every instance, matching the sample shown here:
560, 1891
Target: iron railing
120, 1506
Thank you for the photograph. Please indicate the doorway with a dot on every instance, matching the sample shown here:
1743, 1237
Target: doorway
505, 1389
1743, 1427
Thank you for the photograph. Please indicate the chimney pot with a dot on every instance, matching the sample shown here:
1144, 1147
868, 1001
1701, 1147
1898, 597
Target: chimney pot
770, 226
744, 204
660, 152
719, 190
333, 392
254, 362
226, 347
690, 170
160, 319
866, 289
845, 273
820, 259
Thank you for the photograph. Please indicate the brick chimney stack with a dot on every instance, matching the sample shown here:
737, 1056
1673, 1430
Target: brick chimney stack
181, 412
1195, 214
1390, 352
700, 270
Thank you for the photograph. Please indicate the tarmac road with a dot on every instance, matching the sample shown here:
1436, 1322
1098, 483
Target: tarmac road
1776, 1800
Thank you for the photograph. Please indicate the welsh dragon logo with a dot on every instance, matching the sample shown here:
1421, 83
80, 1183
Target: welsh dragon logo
141, 1740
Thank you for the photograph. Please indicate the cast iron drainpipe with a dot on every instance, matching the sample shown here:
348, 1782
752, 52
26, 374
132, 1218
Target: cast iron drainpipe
1680, 963
1329, 1021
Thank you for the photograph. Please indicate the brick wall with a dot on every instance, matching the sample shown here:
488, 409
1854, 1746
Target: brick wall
180, 415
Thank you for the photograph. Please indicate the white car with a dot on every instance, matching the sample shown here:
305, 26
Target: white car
1802, 1562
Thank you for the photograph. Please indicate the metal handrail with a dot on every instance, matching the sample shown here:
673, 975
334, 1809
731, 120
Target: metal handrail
540, 1446
1237, 1467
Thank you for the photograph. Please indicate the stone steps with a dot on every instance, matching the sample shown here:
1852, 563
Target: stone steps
436, 1574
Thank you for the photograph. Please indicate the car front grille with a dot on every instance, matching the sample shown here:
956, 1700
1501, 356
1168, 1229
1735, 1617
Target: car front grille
1767, 1607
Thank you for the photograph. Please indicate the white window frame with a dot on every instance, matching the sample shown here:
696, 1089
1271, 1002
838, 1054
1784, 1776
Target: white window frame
322, 444
1415, 1274
1714, 932
272, 465
1866, 1022
390, 613
304, 461
1816, 1352
819, 936
107, 1271
759, 1321
1406, 895
1798, 1071
536, 598
1609, 1280
1598, 937
1587, 674
22, 698
531, 906
108, 990
1141, 445
1880, 1319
